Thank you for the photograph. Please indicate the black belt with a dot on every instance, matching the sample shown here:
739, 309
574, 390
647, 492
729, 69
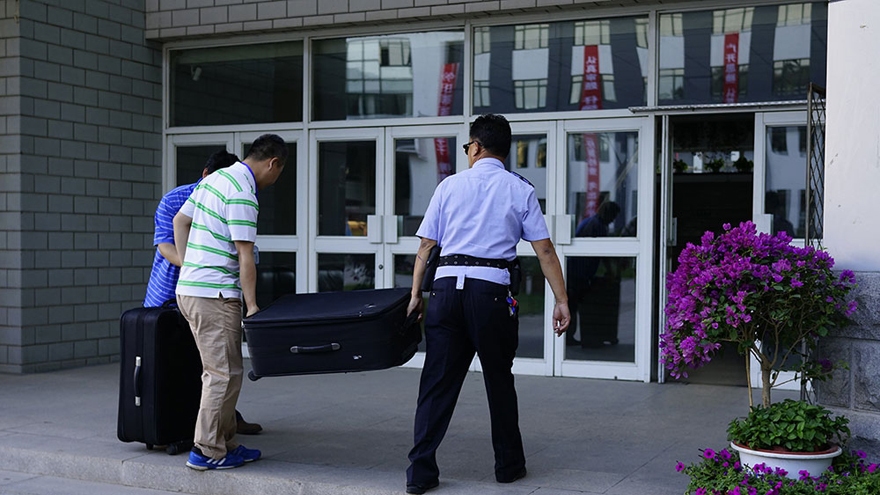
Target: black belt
465, 260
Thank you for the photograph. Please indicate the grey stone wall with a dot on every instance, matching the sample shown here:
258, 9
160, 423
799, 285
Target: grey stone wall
856, 392
170, 19
10, 198
82, 169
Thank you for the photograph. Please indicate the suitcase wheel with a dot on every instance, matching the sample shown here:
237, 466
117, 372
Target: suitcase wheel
149, 446
253, 376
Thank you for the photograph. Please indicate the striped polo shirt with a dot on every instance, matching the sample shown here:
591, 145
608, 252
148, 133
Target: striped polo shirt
223, 209
163, 276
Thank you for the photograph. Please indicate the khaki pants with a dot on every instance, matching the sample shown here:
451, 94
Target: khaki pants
216, 326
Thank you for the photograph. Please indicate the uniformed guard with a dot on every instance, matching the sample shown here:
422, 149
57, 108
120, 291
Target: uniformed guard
477, 217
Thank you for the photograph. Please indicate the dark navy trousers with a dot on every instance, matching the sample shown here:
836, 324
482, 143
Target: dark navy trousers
459, 323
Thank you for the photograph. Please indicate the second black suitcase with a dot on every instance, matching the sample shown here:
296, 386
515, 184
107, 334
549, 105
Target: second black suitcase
160, 380
331, 332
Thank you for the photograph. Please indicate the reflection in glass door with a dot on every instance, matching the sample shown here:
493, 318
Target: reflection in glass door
279, 226
423, 156
604, 257
601, 196
347, 218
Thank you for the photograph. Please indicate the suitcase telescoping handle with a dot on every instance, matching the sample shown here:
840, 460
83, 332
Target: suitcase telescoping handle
315, 349
137, 381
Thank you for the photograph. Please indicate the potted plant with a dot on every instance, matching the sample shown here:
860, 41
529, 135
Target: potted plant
774, 301
792, 435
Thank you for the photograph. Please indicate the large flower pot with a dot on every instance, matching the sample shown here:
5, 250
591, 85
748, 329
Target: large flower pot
792, 462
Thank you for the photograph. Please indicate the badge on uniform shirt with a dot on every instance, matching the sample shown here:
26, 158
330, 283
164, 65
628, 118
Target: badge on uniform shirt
521, 178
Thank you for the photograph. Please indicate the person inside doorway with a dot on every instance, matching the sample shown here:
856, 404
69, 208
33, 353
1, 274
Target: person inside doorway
585, 288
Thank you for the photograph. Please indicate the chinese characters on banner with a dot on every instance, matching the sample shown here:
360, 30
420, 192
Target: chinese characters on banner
591, 99
591, 151
731, 68
441, 145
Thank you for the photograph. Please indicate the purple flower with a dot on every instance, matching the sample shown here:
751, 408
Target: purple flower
709, 454
679, 466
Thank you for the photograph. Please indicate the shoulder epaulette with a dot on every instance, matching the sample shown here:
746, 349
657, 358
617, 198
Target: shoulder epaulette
520, 177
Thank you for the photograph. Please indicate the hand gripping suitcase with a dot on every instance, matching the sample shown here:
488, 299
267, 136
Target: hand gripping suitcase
160, 381
332, 332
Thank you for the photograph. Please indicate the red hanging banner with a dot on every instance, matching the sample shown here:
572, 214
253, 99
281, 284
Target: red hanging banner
591, 99
441, 145
591, 95
731, 68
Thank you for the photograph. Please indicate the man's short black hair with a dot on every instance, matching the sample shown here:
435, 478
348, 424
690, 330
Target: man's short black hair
268, 146
492, 131
220, 159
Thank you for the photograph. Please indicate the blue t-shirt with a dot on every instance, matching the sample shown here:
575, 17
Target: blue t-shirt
163, 277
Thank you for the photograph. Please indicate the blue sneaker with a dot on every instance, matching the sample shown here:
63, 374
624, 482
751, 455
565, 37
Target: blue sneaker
201, 462
248, 455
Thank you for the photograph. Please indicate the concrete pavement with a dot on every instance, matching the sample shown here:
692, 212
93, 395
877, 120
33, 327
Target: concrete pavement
347, 434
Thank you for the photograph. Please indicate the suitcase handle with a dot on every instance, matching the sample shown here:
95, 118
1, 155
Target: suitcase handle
137, 381
315, 349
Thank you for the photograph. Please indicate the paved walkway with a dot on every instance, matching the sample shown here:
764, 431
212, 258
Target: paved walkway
350, 433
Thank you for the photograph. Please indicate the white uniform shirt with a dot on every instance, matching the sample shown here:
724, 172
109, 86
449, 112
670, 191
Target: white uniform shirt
483, 212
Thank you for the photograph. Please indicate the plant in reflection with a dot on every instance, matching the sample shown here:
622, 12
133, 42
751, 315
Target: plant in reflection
772, 299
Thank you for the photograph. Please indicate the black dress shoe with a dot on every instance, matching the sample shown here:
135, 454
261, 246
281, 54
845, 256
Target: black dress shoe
419, 488
517, 476
242, 427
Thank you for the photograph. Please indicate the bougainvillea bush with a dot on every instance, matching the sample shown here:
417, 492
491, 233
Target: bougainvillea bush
748, 288
720, 473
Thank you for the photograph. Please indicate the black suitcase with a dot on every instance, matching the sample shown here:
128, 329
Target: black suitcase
160, 380
332, 332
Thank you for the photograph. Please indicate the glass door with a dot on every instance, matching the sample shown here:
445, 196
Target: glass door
533, 156
347, 182
186, 156
281, 224
418, 158
606, 186
779, 190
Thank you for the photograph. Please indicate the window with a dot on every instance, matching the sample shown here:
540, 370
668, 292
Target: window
642, 33
481, 94
255, 83
606, 82
718, 77
671, 84
395, 53
670, 25
530, 94
592, 33
482, 40
532, 36
732, 20
791, 77
779, 140
374, 76
794, 15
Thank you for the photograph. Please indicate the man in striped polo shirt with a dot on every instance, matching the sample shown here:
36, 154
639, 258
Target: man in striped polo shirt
215, 232
166, 265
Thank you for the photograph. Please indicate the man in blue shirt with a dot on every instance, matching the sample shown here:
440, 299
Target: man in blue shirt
166, 263
478, 217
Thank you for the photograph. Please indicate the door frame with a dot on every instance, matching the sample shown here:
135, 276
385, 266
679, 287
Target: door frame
639, 247
764, 221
